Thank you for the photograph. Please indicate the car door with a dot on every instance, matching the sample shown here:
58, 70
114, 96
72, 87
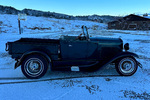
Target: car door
93, 51
74, 50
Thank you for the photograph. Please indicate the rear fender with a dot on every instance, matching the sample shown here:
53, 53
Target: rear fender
18, 63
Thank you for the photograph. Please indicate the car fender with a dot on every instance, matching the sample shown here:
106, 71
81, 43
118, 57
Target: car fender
18, 63
121, 55
124, 54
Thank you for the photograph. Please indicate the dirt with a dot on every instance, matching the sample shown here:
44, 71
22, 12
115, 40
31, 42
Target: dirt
4, 55
93, 89
144, 57
142, 41
40, 28
108, 79
134, 95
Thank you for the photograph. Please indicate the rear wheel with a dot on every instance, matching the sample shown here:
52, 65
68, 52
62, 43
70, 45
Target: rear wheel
34, 66
126, 66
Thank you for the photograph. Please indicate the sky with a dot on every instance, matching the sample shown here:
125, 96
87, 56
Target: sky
83, 7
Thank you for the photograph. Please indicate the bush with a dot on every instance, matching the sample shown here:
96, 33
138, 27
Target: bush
1, 23
0, 26
95, 27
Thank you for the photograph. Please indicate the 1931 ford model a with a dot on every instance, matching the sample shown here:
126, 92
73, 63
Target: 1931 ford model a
73, 53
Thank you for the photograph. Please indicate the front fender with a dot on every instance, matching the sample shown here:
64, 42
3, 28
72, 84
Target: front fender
18, 63
121, 55
124, 54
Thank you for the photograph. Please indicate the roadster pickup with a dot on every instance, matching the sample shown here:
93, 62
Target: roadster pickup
74, 53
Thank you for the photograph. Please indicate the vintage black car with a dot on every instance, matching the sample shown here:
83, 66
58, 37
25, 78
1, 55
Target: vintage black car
75, 53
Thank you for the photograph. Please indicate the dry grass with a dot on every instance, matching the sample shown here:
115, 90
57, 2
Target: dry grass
142, 41
40, 28
134, 95
100, 32
2, 55
93, 89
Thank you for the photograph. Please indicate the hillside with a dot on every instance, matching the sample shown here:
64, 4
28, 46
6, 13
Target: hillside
9, 24
37, 13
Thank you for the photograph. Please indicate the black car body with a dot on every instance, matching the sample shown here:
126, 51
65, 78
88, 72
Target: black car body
71, 53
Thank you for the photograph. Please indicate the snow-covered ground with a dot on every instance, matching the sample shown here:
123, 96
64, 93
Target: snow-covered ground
43, 24
106, 85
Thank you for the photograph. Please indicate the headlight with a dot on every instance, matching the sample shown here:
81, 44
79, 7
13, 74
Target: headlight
126, 46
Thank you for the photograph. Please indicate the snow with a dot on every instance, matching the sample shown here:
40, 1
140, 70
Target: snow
147, 17
107, 83
40, 24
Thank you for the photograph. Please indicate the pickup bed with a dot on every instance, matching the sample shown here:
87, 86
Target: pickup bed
20, 47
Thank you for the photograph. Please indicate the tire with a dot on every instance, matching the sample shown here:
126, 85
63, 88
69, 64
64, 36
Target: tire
126, 66
34, 66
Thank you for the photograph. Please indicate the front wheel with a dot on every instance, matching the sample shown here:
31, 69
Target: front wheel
34, 66
126, 66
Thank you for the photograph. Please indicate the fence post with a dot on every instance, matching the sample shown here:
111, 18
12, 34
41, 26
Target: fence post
21, 17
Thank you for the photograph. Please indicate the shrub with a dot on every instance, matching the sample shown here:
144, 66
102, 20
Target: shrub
0, 26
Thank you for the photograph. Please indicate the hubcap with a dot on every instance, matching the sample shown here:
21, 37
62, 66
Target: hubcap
34, 66
127, 65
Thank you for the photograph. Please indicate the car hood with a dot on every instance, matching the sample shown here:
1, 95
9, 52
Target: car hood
106, 40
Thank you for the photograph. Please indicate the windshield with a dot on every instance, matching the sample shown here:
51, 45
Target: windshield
85, 31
